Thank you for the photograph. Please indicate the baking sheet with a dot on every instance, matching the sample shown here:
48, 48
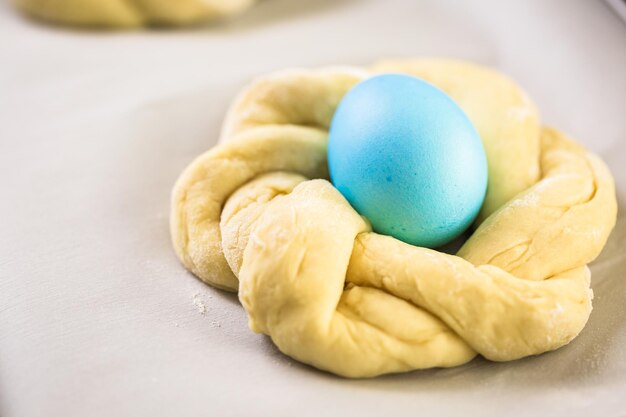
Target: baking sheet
97, 317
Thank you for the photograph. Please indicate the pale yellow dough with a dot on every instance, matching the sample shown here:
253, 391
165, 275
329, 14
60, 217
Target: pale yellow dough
131, 13
256, 213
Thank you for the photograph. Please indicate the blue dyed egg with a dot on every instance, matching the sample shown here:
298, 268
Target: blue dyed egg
407, 158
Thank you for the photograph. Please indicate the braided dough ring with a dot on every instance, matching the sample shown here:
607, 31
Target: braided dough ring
257, 213
131, 13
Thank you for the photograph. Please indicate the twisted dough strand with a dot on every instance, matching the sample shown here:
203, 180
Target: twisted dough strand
331, 293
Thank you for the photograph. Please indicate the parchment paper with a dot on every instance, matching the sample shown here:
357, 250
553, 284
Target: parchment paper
98, 318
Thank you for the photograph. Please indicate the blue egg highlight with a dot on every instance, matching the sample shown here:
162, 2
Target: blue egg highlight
407, 158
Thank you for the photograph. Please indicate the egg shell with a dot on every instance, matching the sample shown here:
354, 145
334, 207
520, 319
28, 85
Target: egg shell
407, 158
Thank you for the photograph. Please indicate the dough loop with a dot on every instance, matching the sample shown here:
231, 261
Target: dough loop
131, 13
256, 213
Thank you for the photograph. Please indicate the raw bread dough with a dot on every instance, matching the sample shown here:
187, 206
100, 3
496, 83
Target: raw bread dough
257, 213
131, 13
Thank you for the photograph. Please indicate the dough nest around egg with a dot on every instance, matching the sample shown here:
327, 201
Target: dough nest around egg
257, 214
131, 13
